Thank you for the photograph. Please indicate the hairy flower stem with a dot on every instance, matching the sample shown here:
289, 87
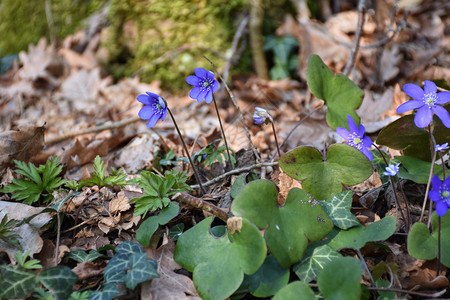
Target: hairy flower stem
275, 136
438, 269
407, 220
433, 159
223, 132
187, 152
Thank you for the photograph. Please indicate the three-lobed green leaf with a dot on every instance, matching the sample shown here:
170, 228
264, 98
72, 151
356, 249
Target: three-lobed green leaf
323, 179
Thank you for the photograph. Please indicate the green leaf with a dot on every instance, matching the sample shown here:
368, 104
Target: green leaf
423, 245
108, 292
417, 170
338, 208
16, 283
294, 291
150, 225
357, 237
130, 266
315, 260
341, 95
219, 264
403, 134
81, 255
269, 278
323, 179
59, 280
141, 269
340, 279
287, 228
176, 230
79, 295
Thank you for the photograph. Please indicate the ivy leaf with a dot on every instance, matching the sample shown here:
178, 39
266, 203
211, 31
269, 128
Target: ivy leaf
338, 208
219, 264
141, 269
16, 283
314, 261
287, 229
294, 291
341, 95
323, 179
59, 280
149, 226
423, 245
81, 255
344, 286
108, 292
357, 237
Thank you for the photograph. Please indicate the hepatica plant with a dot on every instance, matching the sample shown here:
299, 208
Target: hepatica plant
305, 228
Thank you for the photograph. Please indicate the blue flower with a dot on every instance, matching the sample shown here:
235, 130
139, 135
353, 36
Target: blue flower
355, 137
155, 108
261, 116
392, 170
442, 147
427, 102
440, 194
204, 85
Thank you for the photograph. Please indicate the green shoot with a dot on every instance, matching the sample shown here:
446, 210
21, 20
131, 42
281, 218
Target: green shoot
37, 183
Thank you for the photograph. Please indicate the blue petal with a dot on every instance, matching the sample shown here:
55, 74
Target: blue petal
436, 183
258, 119
153, 120
344, 133
200, 72
434, 196
441, 208
447, 182
429, 87
443, 114
413, 91
351, 124
210, 75
423, 117
361, 130
367, 153
412, 104
215, 86
209, 96
194, 92
146, 112
193, 80
144, 99
202, 95
367, 142
164, 113
442, 98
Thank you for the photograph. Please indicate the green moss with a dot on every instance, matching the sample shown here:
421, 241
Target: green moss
166, 40
25, 22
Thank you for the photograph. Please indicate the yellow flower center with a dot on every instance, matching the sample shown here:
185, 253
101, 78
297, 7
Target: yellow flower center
357, 141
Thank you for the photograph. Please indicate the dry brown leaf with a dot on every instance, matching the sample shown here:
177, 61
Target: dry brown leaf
88, 269
20, 144
119, 204
83, 152
390, 61
29, 233
284, 184
170, 285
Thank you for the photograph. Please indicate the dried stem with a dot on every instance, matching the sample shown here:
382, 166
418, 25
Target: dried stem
358, 33
236, 171
223, 132
275, 136
438, 269
187, 153
201, 204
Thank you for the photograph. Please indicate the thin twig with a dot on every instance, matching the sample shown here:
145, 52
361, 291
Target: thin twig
234, 44
358, 33
236, 171
295, 127
223, 132
58, 236
363, 262
201, 204
113, 125
428, 296
247, 132
438, 269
